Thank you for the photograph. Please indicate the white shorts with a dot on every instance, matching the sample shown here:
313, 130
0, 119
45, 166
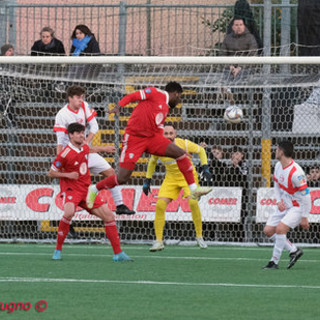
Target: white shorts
290, 217
97, 164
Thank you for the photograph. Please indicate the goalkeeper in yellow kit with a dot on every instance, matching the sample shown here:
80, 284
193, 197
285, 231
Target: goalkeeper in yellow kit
173, 183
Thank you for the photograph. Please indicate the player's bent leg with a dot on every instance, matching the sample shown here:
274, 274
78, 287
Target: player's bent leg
117, 196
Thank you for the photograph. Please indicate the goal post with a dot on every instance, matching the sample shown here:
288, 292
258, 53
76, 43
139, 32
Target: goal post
278, 103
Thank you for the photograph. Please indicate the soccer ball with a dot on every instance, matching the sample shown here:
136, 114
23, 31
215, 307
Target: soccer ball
233, 114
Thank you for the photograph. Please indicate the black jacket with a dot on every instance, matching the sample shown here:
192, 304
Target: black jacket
55, 47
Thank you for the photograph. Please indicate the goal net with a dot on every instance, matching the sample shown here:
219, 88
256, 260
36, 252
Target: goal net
279, 97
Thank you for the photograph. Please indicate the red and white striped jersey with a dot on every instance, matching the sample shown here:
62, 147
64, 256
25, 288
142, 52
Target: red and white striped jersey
66, 116
291, 179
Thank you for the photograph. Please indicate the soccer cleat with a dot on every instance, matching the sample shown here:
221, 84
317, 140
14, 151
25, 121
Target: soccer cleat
199, 192
56, 255
91, 197
294, 257
271, 265
201, 243
123, 209
157, 246
120, 257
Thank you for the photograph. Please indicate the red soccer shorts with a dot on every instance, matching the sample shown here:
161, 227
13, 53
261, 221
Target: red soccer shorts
134, 146
79, 199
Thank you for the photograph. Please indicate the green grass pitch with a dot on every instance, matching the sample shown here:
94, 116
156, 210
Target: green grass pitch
222, 282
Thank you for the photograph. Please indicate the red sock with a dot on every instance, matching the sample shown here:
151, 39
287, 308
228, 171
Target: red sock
63, 231
186, 168
107, 183
113, 235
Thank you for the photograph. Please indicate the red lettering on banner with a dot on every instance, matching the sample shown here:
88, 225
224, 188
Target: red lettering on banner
32, 199
223, 201
268, 202
315, 195
148, 203
8, 199
180, 202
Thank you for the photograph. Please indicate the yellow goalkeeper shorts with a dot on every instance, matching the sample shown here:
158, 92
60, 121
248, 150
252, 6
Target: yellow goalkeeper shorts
171, 188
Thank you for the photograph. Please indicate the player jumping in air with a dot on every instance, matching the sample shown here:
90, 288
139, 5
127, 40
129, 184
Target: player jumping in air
78, 110
71, 167
144, 133
293, 205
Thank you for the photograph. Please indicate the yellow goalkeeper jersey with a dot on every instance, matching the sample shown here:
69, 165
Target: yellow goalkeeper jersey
172, 169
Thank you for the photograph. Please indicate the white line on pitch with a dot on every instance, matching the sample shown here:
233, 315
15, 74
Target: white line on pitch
151, 256
142, 282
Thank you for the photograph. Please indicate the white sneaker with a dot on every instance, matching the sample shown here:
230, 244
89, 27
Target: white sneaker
157, 246
200, 191
201, 243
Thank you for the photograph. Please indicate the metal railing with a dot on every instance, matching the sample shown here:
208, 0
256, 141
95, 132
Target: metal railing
145, 29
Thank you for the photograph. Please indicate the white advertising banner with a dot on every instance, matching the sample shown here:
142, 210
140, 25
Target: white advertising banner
266, 204
43, 202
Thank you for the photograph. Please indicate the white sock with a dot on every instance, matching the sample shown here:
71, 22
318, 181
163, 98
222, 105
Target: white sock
272, 238
117, 195
290, 246
280, 242
193, 186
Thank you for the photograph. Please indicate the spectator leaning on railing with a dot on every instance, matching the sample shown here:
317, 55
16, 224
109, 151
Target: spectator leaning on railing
48, 45
239, 42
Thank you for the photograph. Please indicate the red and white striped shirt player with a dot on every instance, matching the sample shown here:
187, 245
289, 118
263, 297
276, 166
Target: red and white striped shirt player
293, 205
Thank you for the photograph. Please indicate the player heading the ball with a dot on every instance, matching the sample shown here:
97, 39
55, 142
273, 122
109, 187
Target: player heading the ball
144, 133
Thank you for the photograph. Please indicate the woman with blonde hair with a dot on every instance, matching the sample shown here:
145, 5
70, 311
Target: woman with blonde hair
48, 45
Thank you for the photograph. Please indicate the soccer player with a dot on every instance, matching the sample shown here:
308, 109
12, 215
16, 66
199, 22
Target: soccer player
77, 110
144, 133
71, 167
171, 186
293, 205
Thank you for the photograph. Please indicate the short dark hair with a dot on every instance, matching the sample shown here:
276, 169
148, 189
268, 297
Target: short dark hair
75, 91
238, 18
75, 127
173, 87
287, 147
237, 149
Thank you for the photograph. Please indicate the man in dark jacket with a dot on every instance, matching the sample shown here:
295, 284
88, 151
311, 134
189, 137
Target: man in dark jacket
240, 42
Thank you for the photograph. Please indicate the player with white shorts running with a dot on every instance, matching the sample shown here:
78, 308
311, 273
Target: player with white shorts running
293, 205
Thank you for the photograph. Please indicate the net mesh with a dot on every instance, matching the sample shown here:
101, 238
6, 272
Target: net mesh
278, 101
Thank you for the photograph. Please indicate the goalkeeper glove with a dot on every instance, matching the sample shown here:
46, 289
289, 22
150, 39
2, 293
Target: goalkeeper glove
206, 173
146, 186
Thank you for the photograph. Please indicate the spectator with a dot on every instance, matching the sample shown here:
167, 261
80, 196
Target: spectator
313, 177
7, 50
84, 42
217, 166
237, 171
48, 45
239, 42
